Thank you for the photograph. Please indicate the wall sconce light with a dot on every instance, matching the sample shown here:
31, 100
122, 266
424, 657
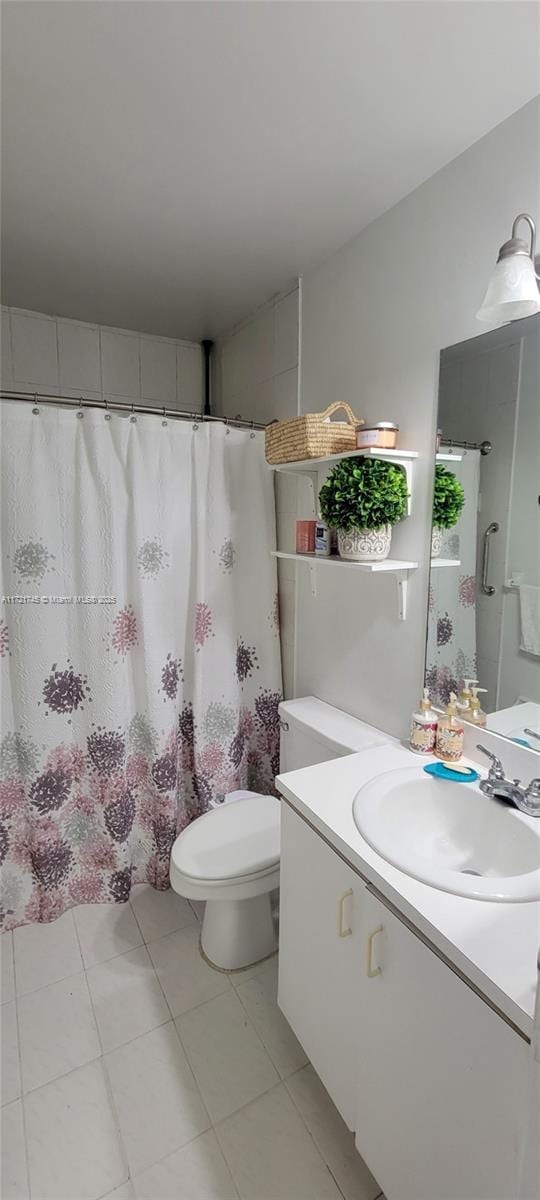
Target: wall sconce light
512, 291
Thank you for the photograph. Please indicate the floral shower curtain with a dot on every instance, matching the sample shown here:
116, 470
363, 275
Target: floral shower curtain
139, 645
451, 643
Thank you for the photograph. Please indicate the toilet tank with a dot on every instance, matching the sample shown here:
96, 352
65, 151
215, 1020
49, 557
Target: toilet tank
314, 732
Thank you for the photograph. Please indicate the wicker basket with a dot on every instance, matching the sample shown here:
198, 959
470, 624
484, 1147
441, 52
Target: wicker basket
312, 435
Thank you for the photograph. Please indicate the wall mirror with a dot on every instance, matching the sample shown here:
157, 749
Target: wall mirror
484, 595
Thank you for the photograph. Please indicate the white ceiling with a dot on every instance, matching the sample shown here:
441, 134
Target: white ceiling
169, 166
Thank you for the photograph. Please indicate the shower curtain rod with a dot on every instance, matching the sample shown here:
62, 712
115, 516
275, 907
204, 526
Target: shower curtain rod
483, 447
118, 405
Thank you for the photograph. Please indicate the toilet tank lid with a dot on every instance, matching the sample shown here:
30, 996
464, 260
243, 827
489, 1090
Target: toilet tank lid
330, 725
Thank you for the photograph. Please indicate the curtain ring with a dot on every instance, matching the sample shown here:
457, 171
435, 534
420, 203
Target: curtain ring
80, 412
133, 418
227, 430
107, 413
164, 421
252, 434
35, 409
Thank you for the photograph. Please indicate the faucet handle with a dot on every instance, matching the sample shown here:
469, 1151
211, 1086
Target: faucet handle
496, 771
533, 790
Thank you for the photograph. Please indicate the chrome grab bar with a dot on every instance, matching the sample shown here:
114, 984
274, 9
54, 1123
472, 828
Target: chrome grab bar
488, 588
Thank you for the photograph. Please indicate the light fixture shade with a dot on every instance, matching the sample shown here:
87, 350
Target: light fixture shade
512, 291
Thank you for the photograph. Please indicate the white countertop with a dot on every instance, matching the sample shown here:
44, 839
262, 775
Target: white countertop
494, 945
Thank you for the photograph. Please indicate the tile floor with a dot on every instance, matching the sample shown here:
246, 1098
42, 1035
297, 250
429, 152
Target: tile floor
133, 1071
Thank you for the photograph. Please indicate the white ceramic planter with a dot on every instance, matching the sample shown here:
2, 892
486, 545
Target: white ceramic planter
365, 545
436, 541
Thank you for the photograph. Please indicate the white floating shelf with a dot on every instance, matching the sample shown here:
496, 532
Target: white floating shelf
448, 457
445, 562
309, 465
312, 466
399, 567
333, 560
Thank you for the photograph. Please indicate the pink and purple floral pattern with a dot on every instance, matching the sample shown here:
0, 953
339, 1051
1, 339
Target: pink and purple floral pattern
65, 690
203, 624
124, 632
4, 640
86, 822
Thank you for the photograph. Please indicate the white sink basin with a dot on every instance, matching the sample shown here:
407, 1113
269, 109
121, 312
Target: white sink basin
450, 835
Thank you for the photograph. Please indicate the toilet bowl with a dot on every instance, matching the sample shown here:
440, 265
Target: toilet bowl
230, 858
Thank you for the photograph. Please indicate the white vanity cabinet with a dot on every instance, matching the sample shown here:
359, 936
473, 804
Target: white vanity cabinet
435, 1083
442, 1079
320, 956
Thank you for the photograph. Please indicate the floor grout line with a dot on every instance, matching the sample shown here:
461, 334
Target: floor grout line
306, 1126
249, 1021
380, 1195
84, 968
242, 1107
198, 1137
259, 1035
22, 1094
108, 1086
274, 1087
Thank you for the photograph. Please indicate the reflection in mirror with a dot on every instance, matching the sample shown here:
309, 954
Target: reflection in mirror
484, 596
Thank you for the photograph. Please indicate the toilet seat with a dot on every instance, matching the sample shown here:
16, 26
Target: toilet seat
231, 851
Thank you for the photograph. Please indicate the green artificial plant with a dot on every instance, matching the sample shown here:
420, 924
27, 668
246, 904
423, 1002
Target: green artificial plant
363, 493
448, 498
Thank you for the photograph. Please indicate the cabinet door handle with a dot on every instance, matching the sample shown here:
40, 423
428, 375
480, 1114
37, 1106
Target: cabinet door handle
341, 931
372, 971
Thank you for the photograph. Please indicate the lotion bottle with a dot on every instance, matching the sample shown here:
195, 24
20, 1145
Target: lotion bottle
449, 745
423, 727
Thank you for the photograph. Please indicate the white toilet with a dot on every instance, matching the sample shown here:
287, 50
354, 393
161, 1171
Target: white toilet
230, 856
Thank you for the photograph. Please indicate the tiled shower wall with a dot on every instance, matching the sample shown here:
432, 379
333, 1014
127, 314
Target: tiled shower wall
256, 377
56, 356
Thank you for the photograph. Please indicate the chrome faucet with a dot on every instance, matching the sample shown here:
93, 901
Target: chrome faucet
511, 790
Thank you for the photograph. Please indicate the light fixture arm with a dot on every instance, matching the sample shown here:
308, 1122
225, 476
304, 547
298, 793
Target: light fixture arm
518, 245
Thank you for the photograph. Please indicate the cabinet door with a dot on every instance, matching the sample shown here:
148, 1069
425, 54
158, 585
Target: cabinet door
441, 1078
319, 956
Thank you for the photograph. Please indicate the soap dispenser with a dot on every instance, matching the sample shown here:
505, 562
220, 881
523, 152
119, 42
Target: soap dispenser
423, 727
476, 714
449, 745
465, 695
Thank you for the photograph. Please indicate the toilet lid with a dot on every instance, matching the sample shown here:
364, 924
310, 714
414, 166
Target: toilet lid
231, 841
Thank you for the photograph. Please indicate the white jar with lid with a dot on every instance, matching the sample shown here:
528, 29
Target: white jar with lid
381, 436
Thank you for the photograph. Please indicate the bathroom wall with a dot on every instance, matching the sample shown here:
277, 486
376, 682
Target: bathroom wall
256, 376
375, 317
57, 356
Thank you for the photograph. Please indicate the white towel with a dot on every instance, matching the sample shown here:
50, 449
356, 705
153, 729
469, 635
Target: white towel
529, 601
